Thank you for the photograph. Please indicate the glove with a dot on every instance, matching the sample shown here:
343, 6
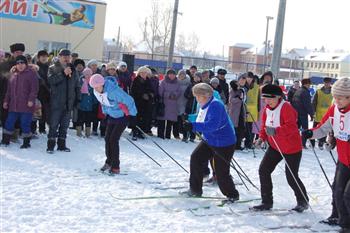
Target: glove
270, 131
307, 134
331, 143
132, 122
187, 126
257, 143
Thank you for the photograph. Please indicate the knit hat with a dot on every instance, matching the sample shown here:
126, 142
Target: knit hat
222, 71
111, 65
171, 71
42, 53
271, 91
79, 61
75, 55
87, 72
181, 72
143, 69
17, 47
214, 81
97, 80
305, 81
92, 62
122, 63
341, 87
198, 74
327, 80
64, 52
21, 58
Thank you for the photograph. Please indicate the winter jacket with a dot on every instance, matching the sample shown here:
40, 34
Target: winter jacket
112, 97
191, 100
302, 102
64, 90
214, 123
169, 91
22, 88
44, 89
143, 94
125, 79
336, 120
321, 102
5, 76
291, 93
182, 100
88, 101
155, 86
225, 89
235, 106
284, 119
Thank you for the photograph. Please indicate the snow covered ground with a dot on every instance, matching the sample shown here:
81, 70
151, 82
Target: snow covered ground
63, 193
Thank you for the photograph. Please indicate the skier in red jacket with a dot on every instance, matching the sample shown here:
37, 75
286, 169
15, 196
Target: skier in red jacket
337, 119
279, 128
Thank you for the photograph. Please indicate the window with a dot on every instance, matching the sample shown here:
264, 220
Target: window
315, 65
324, 65
52, 46
312, 65
332, 65
307, 65
331, 75
336, 75
337, 66
328, 65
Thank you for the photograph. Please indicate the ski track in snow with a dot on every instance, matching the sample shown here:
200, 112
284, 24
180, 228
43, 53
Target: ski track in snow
63, 193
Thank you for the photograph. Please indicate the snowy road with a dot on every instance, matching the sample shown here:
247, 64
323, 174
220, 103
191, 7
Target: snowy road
63, 193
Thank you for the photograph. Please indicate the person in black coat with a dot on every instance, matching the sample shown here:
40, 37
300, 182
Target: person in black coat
143, 94
302, 104
223, 85
44, 89
65, 95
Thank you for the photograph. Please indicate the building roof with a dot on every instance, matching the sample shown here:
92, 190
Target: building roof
300, 53
257, 50
243, 45
335, 57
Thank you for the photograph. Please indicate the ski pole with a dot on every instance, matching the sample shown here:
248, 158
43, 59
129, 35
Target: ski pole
230, 164
235, 161
290, 170
319, 163
331, 153
162, 149
143, 152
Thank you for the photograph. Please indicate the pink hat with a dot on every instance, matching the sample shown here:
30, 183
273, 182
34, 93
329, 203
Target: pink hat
87, 72
97, 80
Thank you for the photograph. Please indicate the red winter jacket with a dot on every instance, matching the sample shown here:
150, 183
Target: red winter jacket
325, 126
287, 135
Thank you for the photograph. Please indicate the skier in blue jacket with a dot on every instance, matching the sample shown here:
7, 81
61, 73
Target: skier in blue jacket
118, 106
218, 143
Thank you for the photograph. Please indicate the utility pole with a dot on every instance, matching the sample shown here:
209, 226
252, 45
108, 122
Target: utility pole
277, 45
118, 45
172, 37
266, 52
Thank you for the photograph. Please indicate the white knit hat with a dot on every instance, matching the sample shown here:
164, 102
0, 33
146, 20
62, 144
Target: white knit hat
122, 63
144, 69
341, 87
111, 65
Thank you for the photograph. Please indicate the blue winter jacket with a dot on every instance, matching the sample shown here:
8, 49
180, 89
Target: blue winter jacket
88, 102
217, 129
117, 96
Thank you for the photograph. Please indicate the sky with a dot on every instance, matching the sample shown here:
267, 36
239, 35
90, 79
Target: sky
222, 23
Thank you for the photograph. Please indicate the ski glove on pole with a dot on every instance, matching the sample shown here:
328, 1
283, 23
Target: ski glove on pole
307, 134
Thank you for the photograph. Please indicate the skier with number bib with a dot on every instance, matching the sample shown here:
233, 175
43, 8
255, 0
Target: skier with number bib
337, 119
279, 128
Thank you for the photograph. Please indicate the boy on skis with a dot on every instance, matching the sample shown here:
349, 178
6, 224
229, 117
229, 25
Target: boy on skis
337, 119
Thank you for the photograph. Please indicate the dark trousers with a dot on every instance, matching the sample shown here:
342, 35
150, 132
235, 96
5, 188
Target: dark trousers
25, 119
240, 129
103, 126
222, 157
144, 121
44, 117
249, 136
334, 213
342, 195
161, 128
58, 124
85, 118
268, 165
303, 124
114, 130
321, 141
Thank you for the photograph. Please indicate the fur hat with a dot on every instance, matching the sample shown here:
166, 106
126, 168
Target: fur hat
271, 91
341, 87
143, 69
79, 61
17, 47
97, 80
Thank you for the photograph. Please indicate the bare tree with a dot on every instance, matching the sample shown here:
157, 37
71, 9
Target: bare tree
165, 28
188, 45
